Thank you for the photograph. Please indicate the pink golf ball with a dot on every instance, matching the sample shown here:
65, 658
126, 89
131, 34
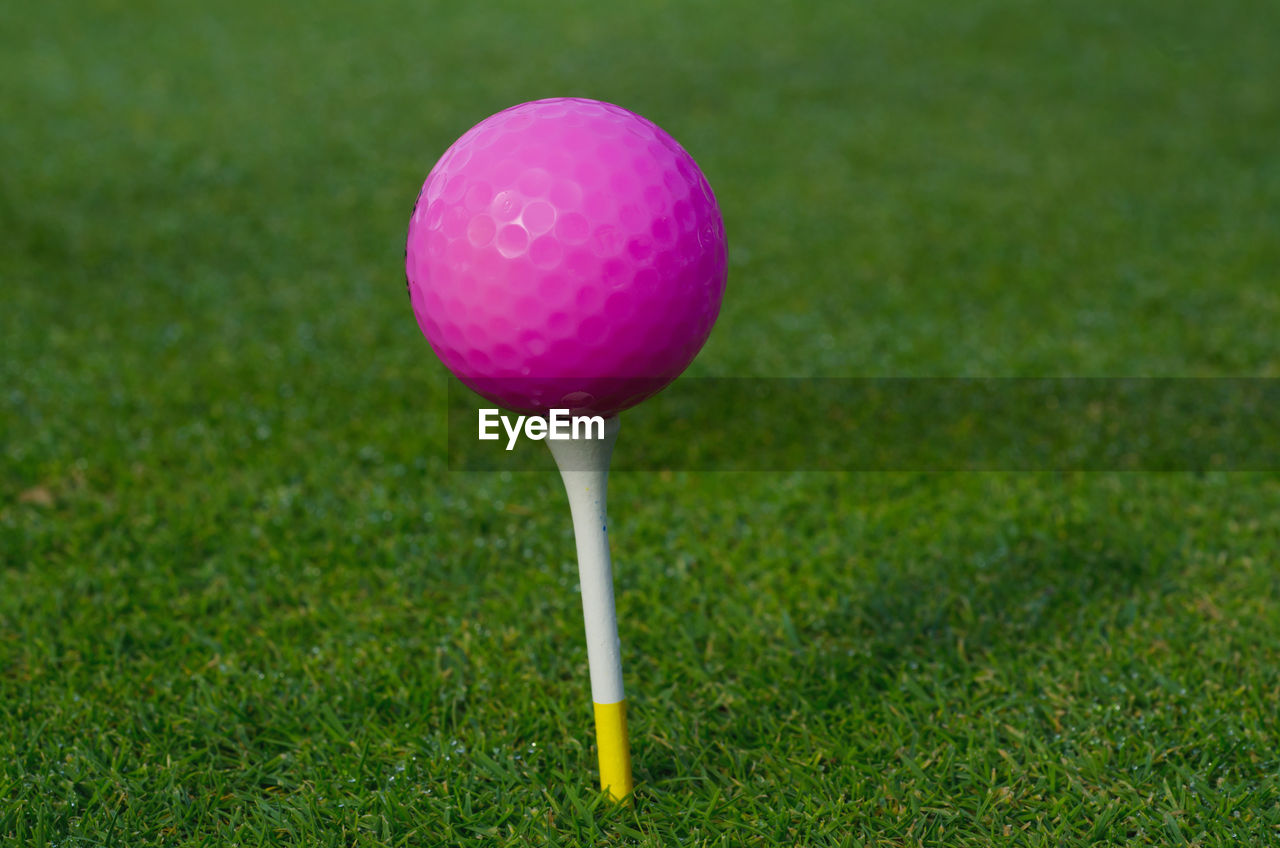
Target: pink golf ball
566, 253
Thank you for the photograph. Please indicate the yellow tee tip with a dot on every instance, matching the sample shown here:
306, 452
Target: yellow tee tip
615, 750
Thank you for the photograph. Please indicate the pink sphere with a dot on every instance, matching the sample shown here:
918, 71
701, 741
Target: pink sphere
566, 253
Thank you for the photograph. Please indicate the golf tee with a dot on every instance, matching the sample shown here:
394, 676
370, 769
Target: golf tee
584, 468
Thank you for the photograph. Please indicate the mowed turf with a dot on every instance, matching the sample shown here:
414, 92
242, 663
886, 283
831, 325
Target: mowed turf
243, 601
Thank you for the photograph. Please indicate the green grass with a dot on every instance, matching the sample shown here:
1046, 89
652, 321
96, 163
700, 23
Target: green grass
243, 602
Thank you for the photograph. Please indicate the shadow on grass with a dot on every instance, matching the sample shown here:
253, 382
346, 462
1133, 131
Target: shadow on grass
1023, 591
917, 632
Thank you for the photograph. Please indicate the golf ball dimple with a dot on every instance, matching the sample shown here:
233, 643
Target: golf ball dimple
566, 251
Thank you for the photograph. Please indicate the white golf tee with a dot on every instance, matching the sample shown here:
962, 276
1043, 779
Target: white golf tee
584, 467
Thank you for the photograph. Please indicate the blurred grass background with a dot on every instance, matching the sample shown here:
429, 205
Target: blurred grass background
243, 602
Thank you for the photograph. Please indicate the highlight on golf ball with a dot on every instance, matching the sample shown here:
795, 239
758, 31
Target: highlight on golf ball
566, 253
